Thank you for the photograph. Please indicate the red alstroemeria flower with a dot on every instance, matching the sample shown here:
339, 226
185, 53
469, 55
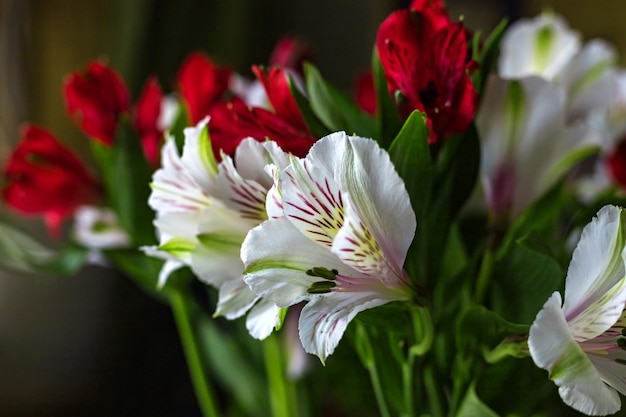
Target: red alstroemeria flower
202, 84
434, 10
233, 121
276, 84
366, 93
290, 53
95, 99
146, 120
46, 179
426, 65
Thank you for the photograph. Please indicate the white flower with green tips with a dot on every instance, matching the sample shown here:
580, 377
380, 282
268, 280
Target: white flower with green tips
542, 46
546, 47
204, 211
581, 343
526, 142
341, 243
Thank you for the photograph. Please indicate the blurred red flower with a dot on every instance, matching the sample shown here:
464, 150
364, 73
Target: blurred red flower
95, 99
43, 178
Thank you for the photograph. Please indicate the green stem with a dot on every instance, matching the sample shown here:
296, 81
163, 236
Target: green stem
432, 390
378, 390
484, 276
183, 314
281, 392
407, 380
366, 354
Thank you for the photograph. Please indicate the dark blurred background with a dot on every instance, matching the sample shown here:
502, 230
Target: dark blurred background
95, 344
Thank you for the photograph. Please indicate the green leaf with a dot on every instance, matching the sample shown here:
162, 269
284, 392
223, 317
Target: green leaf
388, 122
333, 108
127, 177
472, 406
523, 279
310, 119
540, 217
459, 163
19, 251
482, 327
410, 155
233, 365
487, 56
394, 317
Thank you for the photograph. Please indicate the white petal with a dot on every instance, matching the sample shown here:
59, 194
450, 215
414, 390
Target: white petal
252, 156
177, 224
277, 256
541, 46
170, 108
173, 188
245, 196
553, 348
274, 203
589, 78
312, 201
364, 171
612, 373
216, 262
97, 227
524, 136
221, 219
263, 319
594, 287
356, 246
324, 319
234, 299
171, 263
198, 156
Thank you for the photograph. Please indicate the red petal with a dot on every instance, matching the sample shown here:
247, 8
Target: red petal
279, 94
147, 115
365, 92
202, 84
95, 100
44, 178
290, 53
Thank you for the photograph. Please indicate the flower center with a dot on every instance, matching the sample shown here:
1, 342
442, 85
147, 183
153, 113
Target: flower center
428, 96
322, 287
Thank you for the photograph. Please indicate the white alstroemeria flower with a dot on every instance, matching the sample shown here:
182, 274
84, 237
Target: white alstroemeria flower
251, 92
525, 141
610, 120
542, 46
168, 112
98, 228
589, 78
581, 343
341, 243
204, 211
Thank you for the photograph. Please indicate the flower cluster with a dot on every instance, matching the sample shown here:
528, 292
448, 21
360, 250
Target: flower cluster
427, 220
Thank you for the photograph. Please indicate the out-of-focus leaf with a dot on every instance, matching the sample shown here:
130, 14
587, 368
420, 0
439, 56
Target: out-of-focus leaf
486, 54
21, 252
127, 177
234, 368
472, 406
523, 279
310, 119
333, 108
410, 155
388, 120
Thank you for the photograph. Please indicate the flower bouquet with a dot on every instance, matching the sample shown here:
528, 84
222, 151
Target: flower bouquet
451, 234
